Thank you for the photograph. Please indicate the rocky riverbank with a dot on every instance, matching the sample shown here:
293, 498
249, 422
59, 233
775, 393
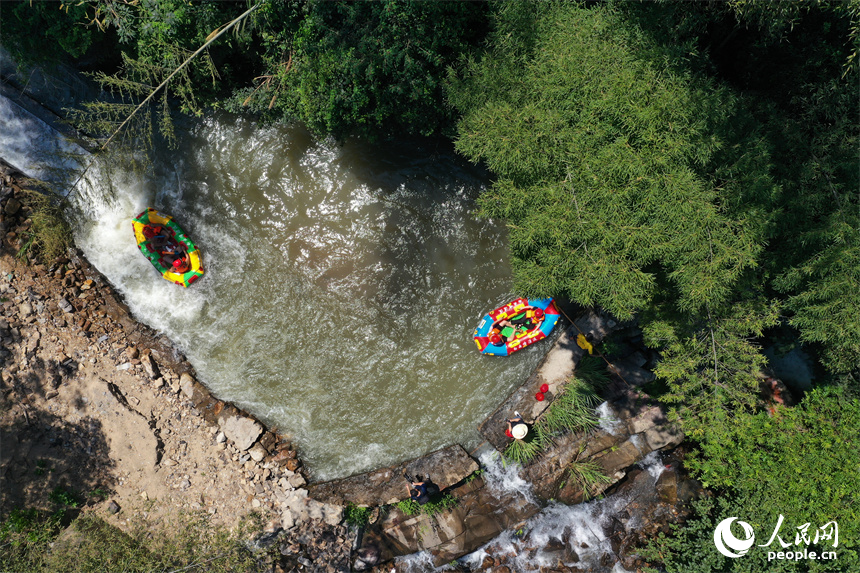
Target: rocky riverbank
104, 408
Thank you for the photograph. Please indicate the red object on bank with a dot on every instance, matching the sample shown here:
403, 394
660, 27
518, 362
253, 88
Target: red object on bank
539, 397
544, 388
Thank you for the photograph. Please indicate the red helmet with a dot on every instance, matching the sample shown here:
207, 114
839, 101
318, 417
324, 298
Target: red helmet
538, 312
177, 263
495, 339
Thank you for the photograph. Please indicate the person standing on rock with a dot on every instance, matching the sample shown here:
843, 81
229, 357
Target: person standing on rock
517, 427
420, 490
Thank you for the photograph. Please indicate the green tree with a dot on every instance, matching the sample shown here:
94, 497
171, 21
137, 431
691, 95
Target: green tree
373, 69
629, 183
32, 31
801, 462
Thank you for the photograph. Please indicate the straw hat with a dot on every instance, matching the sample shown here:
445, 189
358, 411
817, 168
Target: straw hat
519, 431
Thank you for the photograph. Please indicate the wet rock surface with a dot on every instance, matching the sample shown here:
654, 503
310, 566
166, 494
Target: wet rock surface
554, 370
445, 467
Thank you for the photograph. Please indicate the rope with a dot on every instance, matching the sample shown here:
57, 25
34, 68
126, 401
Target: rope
611, 366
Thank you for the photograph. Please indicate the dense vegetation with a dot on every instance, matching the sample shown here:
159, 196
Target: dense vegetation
693, 165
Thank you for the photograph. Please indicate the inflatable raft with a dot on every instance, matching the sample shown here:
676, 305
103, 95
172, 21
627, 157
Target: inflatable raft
169, 236
530, 320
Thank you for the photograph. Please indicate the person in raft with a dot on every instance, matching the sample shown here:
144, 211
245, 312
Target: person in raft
517, 427
154, 234
531, 317
181, 264
173, 252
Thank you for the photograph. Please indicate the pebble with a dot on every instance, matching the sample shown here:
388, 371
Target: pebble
65, 305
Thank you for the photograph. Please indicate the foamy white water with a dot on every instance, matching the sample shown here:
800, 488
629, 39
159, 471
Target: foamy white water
581, 527
504, 478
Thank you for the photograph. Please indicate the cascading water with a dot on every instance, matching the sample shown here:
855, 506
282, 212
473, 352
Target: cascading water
573, 535
342, 284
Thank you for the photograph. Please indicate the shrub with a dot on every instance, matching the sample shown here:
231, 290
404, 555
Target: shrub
437, 505
355, 515
50, 235
586, 475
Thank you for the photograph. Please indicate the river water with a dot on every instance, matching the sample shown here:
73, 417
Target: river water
342, 286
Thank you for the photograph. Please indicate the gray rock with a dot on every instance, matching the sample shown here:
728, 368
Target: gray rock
664, 436
287, 519
257, 452
296, 480
149, 366
646, 420
113, 507
242, 431
220, 438
332, 514
186, 382
445, 467
25, 309
65, 305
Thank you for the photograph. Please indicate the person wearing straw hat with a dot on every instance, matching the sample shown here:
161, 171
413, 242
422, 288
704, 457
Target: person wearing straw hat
517, 428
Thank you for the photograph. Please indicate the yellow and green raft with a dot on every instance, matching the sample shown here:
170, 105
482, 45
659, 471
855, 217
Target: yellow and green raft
174, 234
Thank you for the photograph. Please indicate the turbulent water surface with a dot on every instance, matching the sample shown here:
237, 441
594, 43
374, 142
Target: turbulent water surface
342, 287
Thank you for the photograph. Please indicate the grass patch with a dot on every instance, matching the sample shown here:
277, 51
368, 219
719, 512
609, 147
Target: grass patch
442, 503
524, 451
50, 235
65, 497
586, 475
571, 410
592, 371
357, 516
36, 542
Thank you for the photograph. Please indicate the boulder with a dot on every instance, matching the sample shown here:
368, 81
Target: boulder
186, 383
240, 430
257, 453
479, 516
445, 467
614, 460
647, 419
149, 366
664, 436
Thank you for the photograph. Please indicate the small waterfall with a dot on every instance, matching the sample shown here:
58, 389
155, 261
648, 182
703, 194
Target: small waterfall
342, 286
504, 478
607, 420
573, 535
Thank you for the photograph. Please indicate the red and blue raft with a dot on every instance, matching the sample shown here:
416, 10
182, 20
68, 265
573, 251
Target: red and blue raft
171, 239
516, 325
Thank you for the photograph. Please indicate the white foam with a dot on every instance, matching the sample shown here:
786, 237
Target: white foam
653, 464
416, 563
608, 422
582, 524
504, 477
